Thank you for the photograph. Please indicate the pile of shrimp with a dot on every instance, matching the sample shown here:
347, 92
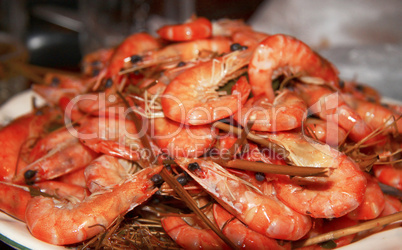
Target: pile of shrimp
94, 167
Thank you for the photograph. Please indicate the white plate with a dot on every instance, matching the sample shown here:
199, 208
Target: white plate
16, 234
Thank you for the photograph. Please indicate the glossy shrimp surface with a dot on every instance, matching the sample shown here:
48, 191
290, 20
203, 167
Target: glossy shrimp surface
191, 98
278, 53
260, 213
197, 29
61, 223
320, 197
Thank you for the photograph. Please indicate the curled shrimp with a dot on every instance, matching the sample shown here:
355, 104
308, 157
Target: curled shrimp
194, 29
191, 98
320, 197
373, 202
179, 140
261, 213
325, 131
279, 53
285, 113
18, 133
63, 223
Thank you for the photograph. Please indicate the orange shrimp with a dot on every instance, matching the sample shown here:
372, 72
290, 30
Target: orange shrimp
64, 158
112, 136
104, 172
389, 175
199, 28
279, 53
372, 204
182, 52
178, 140
19, 132
320, 197
76, 177
376, 115
14, 200
325, 131
261, 213
63, 223
92, 63
191, 98
240, 234
361, 91
331, 106
392, 205
285, 113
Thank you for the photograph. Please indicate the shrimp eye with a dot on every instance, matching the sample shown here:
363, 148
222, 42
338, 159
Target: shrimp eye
135, 59
108, 83
39, 112
181, 64
193, 166
157, 179
55, 81
29, 174
359, 87
235, 46
95, 72
341, 84
259, 176
182, 180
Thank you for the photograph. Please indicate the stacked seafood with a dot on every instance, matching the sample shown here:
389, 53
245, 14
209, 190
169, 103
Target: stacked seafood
211, 135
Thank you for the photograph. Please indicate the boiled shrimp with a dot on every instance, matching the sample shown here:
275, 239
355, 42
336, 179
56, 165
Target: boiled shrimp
389, 175
373, 202
191, 98
18, 133
331, 106
240, 234
64, 158
259, 212
285, 113
199, 28
361, 91
63, 223
182, 52
320, 197
93, 62
177, 140
279, 54
104, 172
325, 131
76, 177
112, 136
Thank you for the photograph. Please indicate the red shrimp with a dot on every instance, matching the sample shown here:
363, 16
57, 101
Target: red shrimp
259, 212
376, 115
63, 223
182, 52
392, 205
372, 204
240, 234
331, 106
191, 98
104, 172
112, 136
178, 140
285, 113
76, 177
14, 200
17, 134
59, 189
325, 131
199, 28
279, 53
320, 197
361, 91
389, 175
92, 63
63, 159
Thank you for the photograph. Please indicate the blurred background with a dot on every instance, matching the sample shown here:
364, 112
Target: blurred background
363, 38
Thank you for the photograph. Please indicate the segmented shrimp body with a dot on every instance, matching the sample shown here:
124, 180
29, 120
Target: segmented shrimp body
14, 200
279, 54
389, 175
325, 131
240, 234
285, 113
259, 212
320, 197
62, 223
199, 28
373, 202
331, 106
191, 98
179, 140
21, 131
